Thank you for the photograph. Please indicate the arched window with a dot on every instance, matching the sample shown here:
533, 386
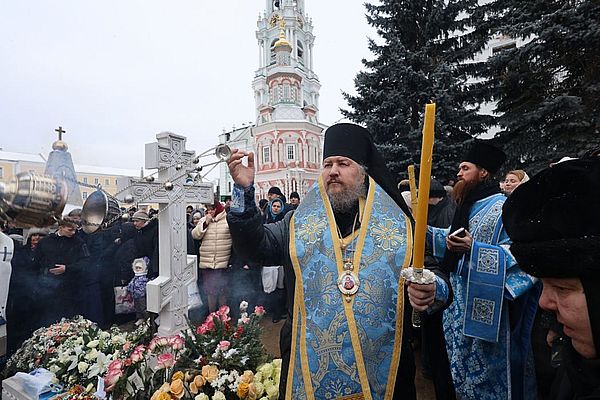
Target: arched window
273, 51
300, 50
286, 93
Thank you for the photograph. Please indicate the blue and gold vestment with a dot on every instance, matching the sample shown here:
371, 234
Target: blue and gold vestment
489, 359
347, 349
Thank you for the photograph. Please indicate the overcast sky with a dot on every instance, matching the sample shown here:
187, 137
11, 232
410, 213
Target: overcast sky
114, 73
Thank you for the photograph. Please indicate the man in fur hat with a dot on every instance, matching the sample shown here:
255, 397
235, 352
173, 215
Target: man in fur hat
488, 326
342, 250
555, 231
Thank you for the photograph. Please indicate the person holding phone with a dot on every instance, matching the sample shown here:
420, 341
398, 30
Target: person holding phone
488, 326
61, 258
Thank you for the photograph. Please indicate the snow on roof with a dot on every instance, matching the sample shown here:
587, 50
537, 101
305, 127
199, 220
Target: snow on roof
94, 169
79, 168
13, 156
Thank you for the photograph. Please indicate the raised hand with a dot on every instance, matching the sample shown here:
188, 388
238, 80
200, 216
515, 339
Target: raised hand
241, 174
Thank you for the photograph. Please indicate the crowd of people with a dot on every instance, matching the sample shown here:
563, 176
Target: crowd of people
62, 271
511, 312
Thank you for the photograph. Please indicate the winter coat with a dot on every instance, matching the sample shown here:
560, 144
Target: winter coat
137, 286
215, 249
577, 378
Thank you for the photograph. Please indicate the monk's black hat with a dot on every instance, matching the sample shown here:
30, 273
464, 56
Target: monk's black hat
355, 142
553, 221
485, 155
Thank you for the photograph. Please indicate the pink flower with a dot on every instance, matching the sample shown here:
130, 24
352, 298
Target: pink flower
158, 341
111, 378
209, 323
166, 360
259, 310
223, 313
127, 345
224, 310
224, 345
176, 342
202, 329
116, 365
138, 354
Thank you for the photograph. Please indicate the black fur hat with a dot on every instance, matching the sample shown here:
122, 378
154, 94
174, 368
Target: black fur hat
486, 156
553, 221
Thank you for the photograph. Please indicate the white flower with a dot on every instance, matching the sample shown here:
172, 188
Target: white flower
243, 306
82, 367
201, 396
93, 344
218, 396
92, 355
229, 353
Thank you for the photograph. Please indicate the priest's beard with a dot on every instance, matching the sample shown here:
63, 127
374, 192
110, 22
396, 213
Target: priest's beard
462, 189
343, 201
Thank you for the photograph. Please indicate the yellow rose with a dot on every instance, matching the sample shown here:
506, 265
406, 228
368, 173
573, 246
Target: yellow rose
156, 394
193, 388
272, 391
242, 390
177, 388
276, 376
210, 372
160, 395
247, 377
259, 388
166, 387
266, 369
164, 396
252, 393
177, 375
199, 381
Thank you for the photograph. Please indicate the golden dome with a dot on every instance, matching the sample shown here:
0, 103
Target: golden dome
60, 145
282, 39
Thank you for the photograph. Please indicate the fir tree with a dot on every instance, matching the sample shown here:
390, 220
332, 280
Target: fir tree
422, 59
548, 89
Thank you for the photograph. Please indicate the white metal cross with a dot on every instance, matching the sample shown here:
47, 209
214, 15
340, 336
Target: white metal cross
167, 295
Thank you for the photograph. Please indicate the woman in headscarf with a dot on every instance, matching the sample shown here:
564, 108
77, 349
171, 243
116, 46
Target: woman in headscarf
513, 179
215, 251
274, 211
272, 276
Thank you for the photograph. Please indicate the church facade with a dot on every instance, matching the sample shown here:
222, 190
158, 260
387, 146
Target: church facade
286, 136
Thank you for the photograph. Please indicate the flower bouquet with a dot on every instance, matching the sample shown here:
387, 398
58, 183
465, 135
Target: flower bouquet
76, 351
217, 359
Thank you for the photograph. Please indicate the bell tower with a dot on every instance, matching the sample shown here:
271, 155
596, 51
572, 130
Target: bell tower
288, 138
285, 85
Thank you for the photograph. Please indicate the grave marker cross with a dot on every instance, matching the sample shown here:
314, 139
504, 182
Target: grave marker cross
168, 293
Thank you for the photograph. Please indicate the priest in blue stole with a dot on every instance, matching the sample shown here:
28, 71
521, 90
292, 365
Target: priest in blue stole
488, 325
342, 249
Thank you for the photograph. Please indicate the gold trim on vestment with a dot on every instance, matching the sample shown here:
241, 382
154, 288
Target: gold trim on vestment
351, 322
395, 362
299, 312
358, 396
